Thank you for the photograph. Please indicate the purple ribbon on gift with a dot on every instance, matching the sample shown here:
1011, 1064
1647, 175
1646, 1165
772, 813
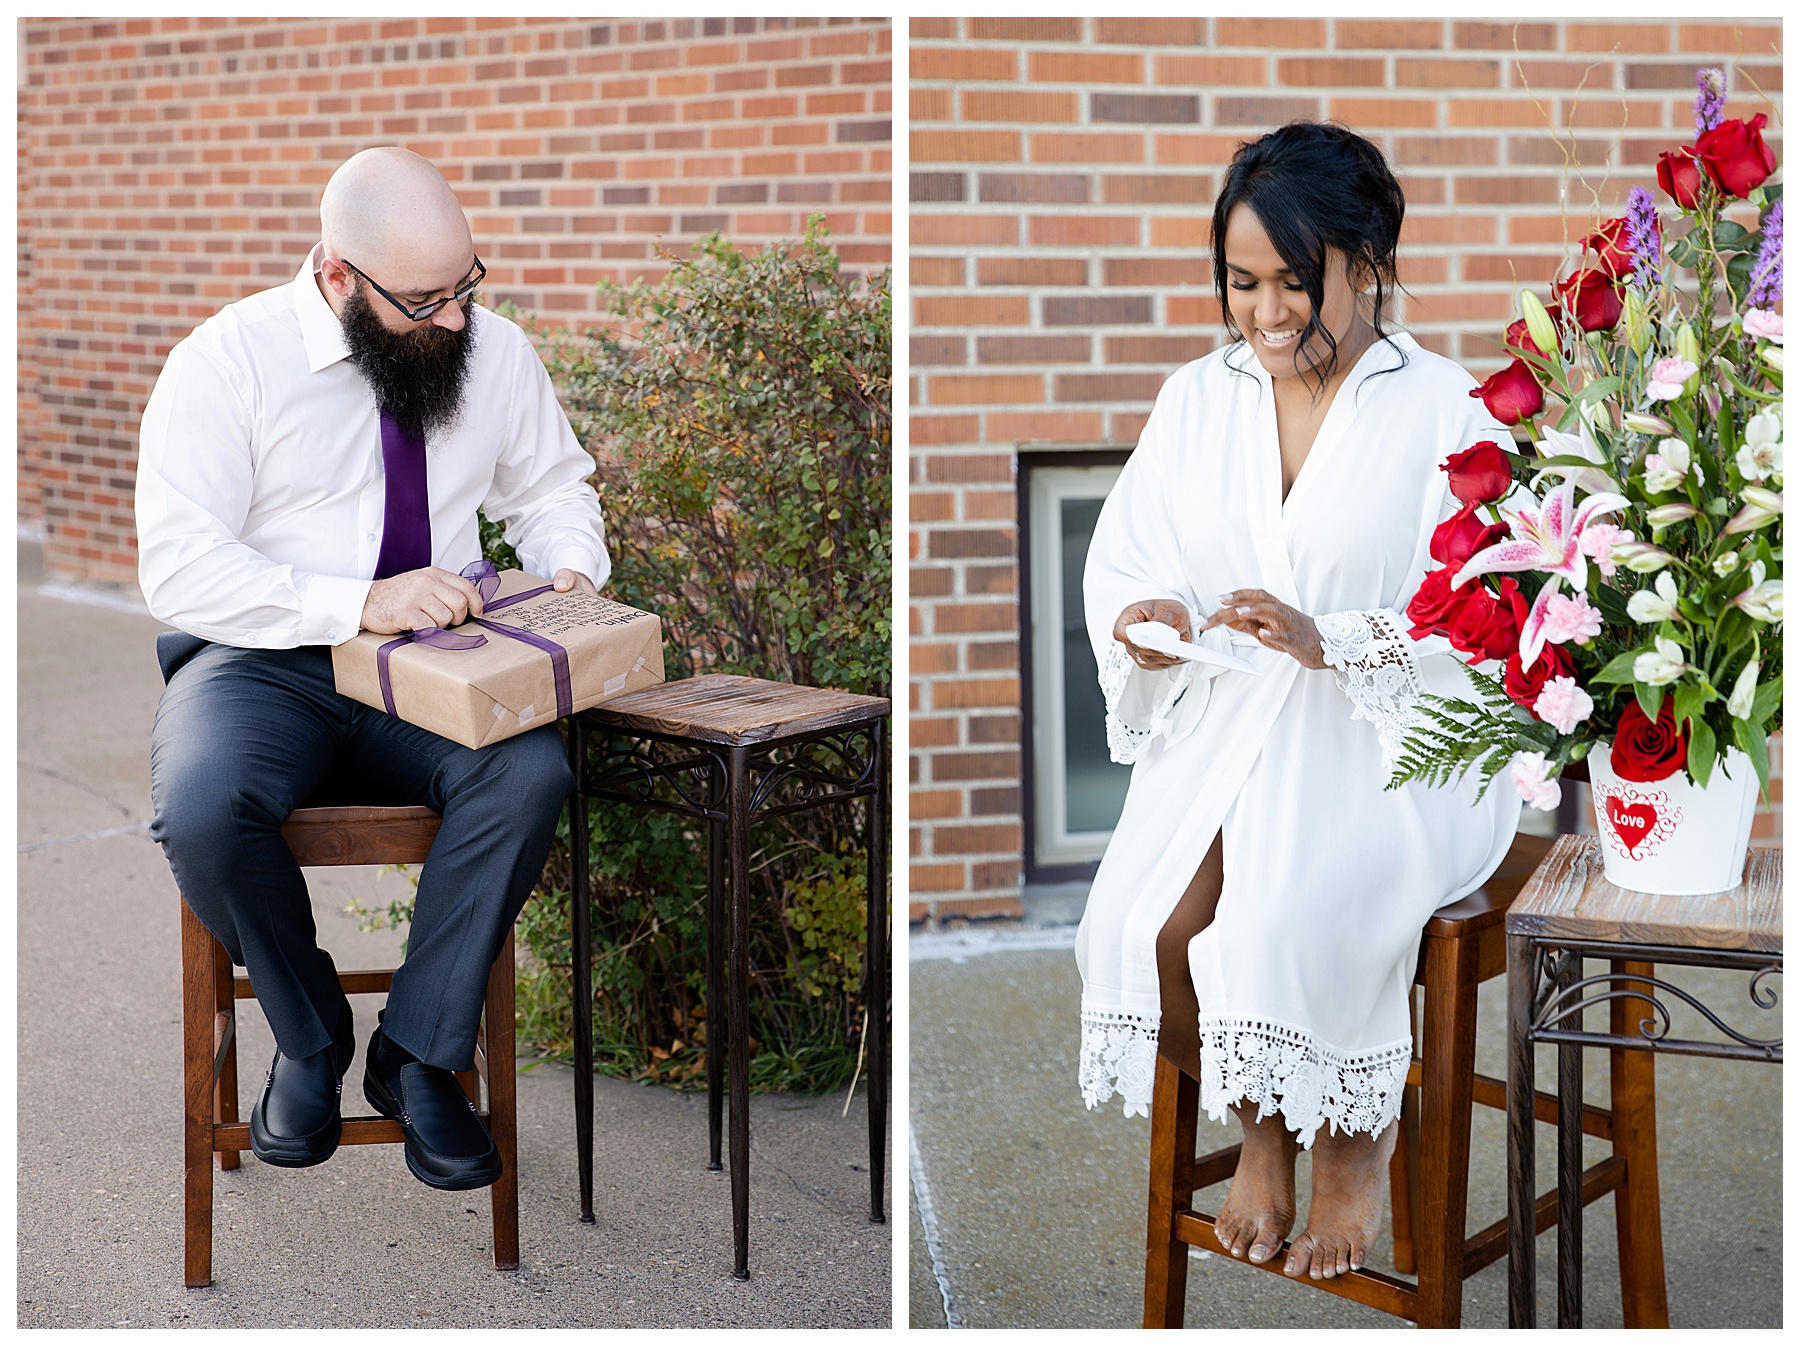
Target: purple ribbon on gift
486, 580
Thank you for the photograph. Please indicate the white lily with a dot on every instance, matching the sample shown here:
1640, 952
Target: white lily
1762, 600
1759, 458
1558, 444
1743, 694
1659, 666
1660, 604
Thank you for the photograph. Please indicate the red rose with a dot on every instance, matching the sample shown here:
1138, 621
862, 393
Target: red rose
1593, 299
1489, 629
1462, 535
1734, 155
1431, 607
1678, 174
1518, 336
1523, 687
1512, 394
1479, 475
1607, 243
1642, 751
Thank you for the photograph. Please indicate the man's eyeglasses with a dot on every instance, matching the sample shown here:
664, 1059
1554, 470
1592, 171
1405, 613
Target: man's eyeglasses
420, 312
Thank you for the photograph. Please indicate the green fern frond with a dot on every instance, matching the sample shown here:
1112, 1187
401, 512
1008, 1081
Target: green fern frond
1455, 736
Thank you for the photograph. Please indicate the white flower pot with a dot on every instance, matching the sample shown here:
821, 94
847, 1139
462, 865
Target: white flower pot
1671, 836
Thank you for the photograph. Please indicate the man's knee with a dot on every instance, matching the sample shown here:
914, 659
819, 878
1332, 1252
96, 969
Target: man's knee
532, 769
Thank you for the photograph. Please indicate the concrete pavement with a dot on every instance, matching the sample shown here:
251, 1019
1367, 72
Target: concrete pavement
1038, 1205
356, 1242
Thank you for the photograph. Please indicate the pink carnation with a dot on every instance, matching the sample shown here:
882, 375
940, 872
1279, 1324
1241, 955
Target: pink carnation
1598, 541
1761, 323
1562, 705
1530, 777
1570, 617
1667, 377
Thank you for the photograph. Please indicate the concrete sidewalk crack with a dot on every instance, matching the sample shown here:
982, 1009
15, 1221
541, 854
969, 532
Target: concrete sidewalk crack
934, 1246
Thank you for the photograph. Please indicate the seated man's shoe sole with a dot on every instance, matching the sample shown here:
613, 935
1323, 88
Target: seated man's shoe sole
428, 1103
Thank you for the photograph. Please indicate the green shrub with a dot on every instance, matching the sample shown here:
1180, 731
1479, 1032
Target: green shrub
740, 414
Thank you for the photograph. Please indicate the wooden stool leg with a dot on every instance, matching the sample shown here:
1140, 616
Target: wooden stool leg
197, 1081
225, 1093
1446, 1102
1637, 1203
1403, 1169
503, 1113
1174, 1113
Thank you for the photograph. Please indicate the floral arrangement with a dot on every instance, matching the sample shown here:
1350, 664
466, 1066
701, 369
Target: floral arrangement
1629, 576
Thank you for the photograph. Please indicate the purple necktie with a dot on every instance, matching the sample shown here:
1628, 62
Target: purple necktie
406, 519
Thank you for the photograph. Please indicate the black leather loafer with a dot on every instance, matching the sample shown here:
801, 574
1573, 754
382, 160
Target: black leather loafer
447, 1147
296, 1122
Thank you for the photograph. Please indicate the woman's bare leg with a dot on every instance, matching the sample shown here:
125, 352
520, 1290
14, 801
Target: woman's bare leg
1349, 1175
1259, 1210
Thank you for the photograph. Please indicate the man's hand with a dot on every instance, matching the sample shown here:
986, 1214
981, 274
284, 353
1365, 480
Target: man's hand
573, 579
1165, 610
1274, 623
419, 599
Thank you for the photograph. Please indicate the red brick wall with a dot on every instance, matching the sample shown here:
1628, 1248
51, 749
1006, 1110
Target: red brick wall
170, 166
1063, 172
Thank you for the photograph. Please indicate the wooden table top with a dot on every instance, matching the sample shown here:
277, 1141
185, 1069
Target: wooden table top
1570, 897
725, 708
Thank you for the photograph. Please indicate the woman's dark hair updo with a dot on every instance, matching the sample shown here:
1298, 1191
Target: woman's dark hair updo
1315, 187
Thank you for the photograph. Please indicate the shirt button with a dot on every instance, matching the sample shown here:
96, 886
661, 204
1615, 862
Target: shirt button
371, 537
331, 635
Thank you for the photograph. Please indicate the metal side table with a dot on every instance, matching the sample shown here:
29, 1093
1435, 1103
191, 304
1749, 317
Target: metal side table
731, 751
1569, 912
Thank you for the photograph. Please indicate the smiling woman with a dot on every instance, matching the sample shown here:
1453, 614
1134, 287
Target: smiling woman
1257, 915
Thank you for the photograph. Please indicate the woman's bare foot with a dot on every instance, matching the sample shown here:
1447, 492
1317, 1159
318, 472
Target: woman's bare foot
1259, 1210
1345, 1215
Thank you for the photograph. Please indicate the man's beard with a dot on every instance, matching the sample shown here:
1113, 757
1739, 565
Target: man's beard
417, 376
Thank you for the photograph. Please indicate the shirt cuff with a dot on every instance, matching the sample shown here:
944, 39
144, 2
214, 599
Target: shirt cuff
331, 608
582, 561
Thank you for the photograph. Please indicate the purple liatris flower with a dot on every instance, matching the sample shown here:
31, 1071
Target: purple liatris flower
1643, 237
1709, 102
1765, 276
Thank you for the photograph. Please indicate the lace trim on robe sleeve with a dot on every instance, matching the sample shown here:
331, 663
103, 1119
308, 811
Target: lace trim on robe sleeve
1373, 660
1140, 703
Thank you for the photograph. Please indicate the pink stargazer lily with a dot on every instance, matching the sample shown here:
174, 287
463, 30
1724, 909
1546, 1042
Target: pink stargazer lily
1547, 539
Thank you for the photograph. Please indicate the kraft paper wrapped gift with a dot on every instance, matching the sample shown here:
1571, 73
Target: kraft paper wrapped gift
533, 656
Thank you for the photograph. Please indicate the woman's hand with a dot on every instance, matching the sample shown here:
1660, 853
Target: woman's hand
1165, 610
1271, 621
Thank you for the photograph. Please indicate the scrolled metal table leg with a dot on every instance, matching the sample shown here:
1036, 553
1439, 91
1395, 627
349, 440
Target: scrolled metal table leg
581, 970
1521, 1151
876, 978
738, 827
1568, 1166
719, 1020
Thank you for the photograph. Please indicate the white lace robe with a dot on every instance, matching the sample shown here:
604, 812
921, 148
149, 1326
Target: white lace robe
1302, 977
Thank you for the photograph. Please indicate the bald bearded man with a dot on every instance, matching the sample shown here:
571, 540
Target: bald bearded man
311, 462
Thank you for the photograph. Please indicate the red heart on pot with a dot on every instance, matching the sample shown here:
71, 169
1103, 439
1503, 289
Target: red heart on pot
1631, 823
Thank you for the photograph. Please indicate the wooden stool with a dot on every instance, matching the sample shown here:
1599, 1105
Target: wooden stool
327, 836
1464, 945
729, 751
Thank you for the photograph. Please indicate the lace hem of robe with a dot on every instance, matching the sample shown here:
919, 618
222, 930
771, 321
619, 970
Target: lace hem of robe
1118, 1056
1125, 743
1283, 1070
1371, 657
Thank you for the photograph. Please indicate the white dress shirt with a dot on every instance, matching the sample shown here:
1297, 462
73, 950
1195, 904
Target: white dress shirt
261, 489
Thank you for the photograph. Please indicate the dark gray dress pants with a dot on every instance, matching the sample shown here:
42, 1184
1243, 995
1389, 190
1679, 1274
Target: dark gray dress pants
244, 737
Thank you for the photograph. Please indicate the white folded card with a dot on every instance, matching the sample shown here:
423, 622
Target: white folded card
1165, 639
